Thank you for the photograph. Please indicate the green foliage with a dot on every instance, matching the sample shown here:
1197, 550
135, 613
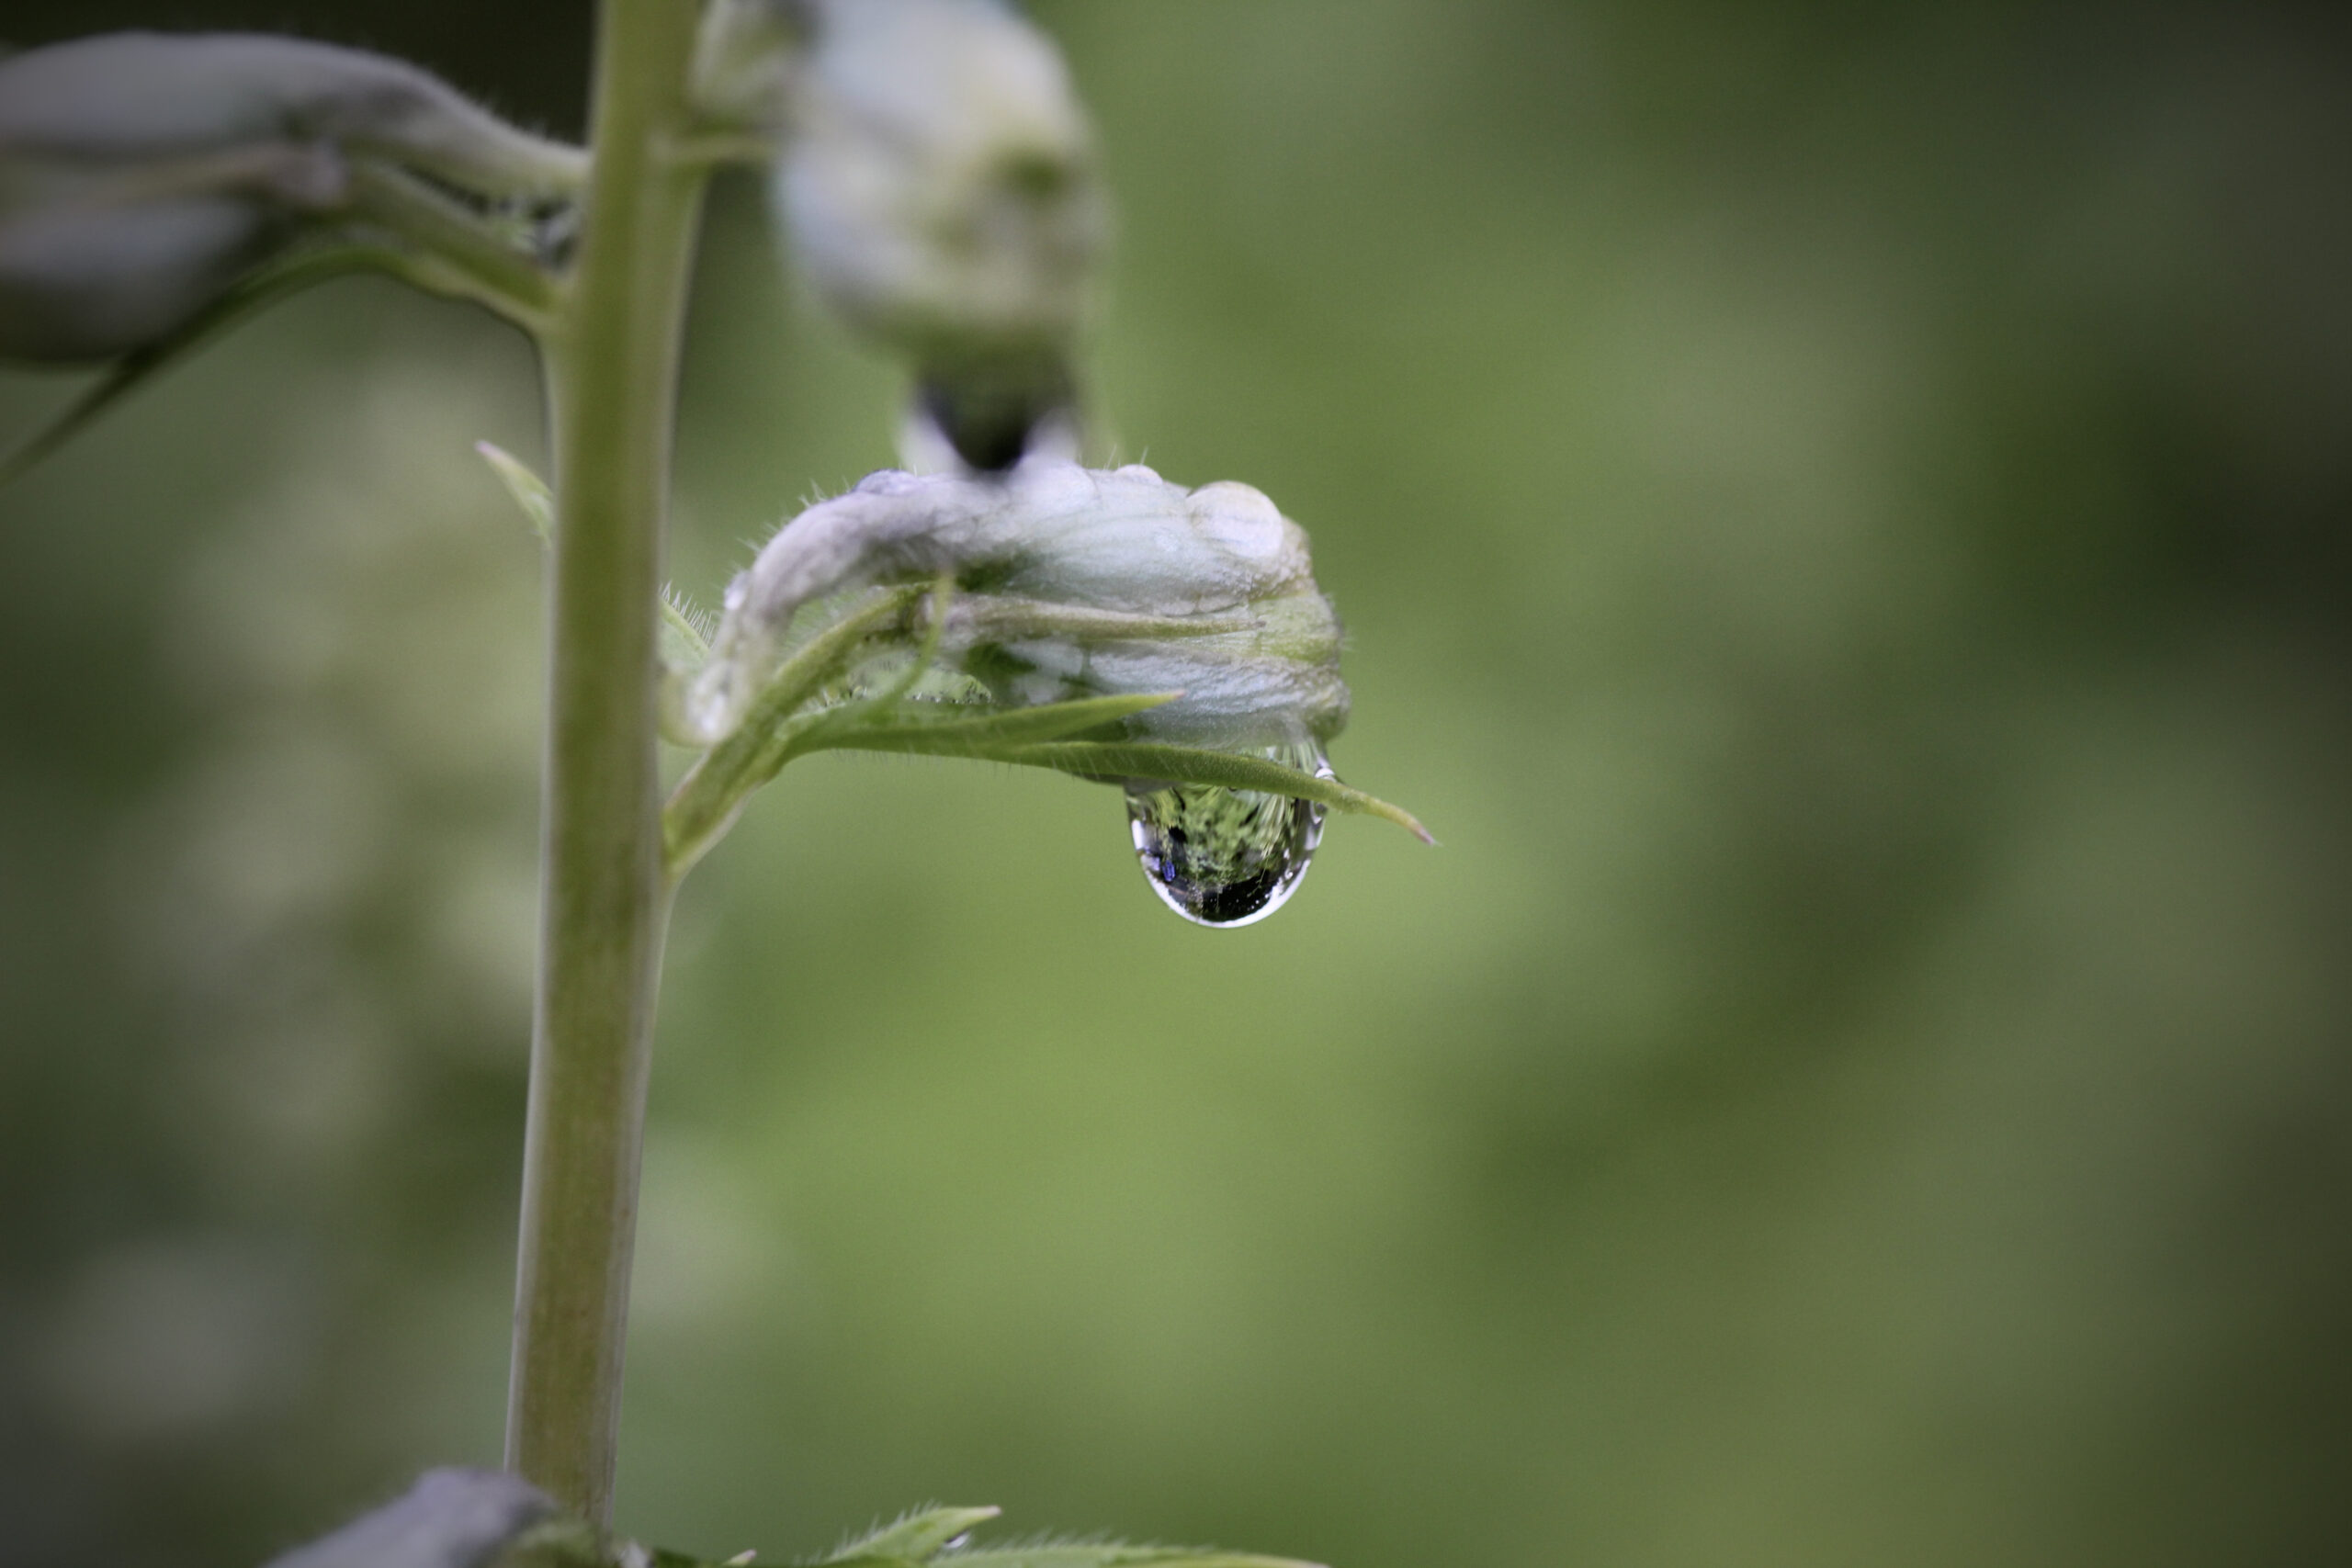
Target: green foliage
153, 184
530, 491
687, 626
936, 1538
796, 716
1846, 567
1177, 764
269, 285
455, 1518
917, 1536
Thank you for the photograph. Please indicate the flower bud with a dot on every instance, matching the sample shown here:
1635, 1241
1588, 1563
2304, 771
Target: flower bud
92, 267
1070, 583
142, 173
450, 1519
746, 52
122, 99
941, 188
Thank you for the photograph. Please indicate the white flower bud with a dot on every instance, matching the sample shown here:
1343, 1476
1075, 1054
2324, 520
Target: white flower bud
122, 98
93, 268
746, 52
450, 1519
1070, 583
142, 174
941, 187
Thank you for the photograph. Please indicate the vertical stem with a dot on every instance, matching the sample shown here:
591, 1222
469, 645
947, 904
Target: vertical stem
612, 370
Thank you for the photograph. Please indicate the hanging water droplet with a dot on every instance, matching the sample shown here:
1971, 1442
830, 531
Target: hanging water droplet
1226, 857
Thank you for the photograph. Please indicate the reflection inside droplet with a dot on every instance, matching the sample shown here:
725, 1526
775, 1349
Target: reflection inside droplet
1226, 857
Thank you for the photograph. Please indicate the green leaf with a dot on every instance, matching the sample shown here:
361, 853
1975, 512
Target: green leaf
1111, 1554
266, 287
924, 1537
914, 1537
686, 621
455, 1518
1177, 764
530, 491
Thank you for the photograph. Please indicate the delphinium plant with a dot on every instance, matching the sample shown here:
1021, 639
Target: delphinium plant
993, 600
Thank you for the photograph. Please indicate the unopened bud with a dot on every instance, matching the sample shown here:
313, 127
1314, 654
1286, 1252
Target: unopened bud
96, 267
450, 1519
1072, 583
142, 174
942, 191
122, 98
746, 54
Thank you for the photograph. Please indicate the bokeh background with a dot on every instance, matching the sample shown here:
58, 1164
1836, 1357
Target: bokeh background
1841, 515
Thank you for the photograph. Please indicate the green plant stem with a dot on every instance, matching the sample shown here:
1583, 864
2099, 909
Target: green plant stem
612, 371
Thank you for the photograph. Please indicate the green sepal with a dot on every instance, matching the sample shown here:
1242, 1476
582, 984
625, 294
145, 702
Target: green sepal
988, 733
706, 799
943, 593
688, 622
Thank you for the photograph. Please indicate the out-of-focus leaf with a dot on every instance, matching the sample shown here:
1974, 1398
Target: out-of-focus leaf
530, 491
272, 283
679, 614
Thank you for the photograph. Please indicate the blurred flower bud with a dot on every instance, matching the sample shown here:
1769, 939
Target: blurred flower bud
941, 188
121, 98
142, 174
450, 1519
1070, 583
746, 52
95, 265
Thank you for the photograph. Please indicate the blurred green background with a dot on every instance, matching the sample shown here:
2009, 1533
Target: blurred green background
1841, 515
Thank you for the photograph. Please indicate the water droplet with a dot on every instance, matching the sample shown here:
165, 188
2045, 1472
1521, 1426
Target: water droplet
1226, 857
